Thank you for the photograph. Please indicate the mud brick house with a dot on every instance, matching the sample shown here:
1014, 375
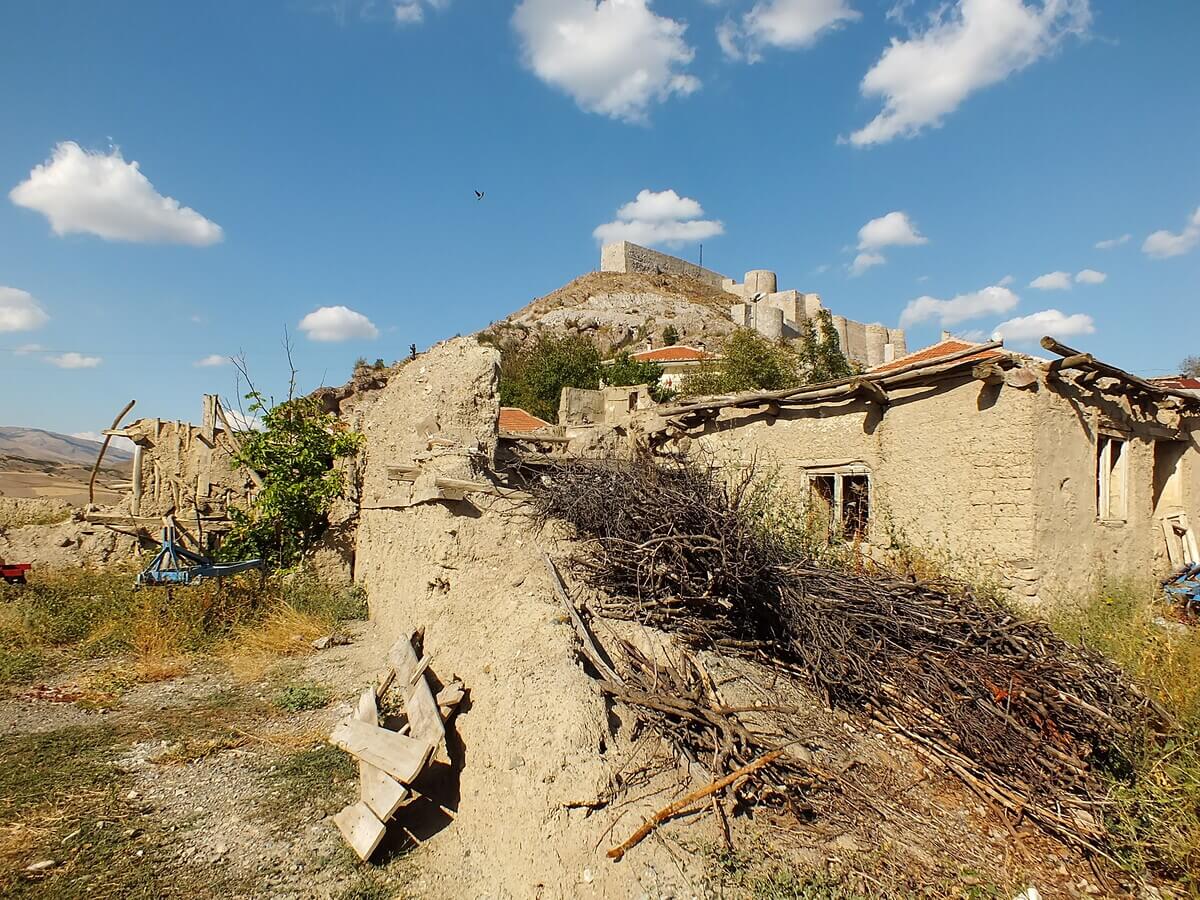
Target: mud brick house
1054, 474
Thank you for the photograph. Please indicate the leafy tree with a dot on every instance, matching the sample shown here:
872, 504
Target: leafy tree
1190, 367
532, 377
821, 357
296, 453
625, 370
670, 335
750, 362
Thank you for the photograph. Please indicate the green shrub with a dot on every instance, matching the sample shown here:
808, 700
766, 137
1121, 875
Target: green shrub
625, 371
821, 357
532, 377
670, 335
296, 453
749, 362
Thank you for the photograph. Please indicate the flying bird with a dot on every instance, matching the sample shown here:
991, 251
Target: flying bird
479, 195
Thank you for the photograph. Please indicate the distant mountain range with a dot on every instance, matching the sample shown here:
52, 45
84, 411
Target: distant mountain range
52, 447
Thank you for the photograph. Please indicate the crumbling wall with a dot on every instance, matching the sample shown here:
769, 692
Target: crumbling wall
1076, 549
534, 735
181, 466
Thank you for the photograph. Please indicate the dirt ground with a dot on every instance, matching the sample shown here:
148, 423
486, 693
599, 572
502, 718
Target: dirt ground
204, 786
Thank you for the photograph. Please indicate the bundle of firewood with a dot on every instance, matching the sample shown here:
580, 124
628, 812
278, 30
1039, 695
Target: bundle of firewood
1022, 715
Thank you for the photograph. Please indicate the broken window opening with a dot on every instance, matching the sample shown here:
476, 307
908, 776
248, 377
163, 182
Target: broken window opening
1112, 467
839, 504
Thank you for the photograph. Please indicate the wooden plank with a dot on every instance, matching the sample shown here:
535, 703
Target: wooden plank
400, 756
382, 793
533, 437
103, 449
424, 717
360, 828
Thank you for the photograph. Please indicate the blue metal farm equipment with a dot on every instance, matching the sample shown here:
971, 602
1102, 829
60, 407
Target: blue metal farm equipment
175, 565
1183, 588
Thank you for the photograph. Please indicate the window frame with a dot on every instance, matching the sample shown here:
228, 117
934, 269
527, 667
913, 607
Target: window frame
1105, 471
839, 473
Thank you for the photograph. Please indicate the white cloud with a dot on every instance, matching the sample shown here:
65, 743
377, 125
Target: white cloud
1052, 281
409, 14
786, 24
19, 311
1162, 244
337, 323
992, 300
1113, 242
102, 194
864, 261
74, 360
120, 443
1032, 327
1006, 281
1091, 276
613, 57
659, 217
28, 349
212, 361
895, 229
966, 46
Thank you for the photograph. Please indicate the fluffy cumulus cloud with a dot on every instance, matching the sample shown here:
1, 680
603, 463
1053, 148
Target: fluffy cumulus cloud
86, 192
993, 300
212, 361
962, 48
659, 217
1031, 328
1110, 243
866, 260
74, 360
613, 57
895, 229
337, 323
1091, 276
1052, 281
1163, 244
785, 24
19, 311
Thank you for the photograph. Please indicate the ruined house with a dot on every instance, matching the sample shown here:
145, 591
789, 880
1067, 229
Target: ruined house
1053, 476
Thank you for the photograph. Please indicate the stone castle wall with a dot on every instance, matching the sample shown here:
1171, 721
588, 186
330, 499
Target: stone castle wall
777, 315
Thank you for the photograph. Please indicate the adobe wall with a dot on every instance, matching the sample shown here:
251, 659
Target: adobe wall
534, 736
951, 467
1076, 551
183, 466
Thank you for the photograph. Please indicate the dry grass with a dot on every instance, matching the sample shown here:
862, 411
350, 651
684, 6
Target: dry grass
285, 632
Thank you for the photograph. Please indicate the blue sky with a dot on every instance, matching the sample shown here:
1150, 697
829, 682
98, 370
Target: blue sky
327, 154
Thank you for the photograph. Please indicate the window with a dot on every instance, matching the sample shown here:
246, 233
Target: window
839, 502
1112, 466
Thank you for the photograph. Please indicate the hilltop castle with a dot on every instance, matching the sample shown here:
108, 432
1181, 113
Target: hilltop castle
756, 302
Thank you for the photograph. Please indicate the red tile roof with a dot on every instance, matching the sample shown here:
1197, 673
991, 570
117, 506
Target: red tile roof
1177, 382
674, 353
934, 352
514, 419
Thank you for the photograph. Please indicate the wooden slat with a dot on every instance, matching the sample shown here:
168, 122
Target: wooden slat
424, 718
361, 829
379, 790
400, 756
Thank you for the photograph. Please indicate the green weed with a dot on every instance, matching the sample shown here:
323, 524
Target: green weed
298, 696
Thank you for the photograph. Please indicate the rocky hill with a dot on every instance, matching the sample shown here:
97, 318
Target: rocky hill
620, 309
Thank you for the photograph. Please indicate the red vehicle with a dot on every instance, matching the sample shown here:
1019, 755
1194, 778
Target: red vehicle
14, 573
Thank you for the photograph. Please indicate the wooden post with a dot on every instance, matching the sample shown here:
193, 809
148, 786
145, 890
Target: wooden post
103, 449
135, 507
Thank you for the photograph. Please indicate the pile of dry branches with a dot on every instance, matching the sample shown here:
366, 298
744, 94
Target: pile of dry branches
1022, 716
